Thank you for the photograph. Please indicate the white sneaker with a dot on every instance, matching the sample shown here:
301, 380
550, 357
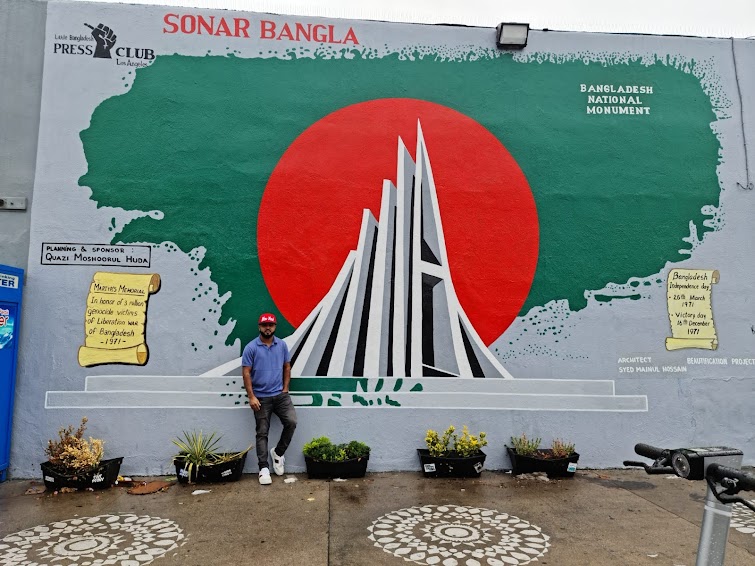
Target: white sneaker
278, 462
265, 478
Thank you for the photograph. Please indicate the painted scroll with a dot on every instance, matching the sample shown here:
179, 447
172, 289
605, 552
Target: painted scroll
689, 309
116, 318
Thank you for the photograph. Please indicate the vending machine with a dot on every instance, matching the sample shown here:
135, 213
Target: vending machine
11, 284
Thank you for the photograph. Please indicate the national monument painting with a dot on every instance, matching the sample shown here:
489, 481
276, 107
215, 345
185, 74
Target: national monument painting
439, 225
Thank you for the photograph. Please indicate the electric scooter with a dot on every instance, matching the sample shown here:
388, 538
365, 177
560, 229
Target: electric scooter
719, 467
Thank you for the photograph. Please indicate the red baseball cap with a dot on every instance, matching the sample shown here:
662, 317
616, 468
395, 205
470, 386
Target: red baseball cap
267, 317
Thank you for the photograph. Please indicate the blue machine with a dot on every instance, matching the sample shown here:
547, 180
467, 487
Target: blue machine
11, 284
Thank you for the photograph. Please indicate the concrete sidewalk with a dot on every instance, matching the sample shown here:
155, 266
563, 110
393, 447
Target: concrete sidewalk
598, 517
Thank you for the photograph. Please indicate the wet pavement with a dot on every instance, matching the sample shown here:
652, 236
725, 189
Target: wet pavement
597, 517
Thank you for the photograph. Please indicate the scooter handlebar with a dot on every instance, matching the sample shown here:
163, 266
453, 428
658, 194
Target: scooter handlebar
744, 481
652, 452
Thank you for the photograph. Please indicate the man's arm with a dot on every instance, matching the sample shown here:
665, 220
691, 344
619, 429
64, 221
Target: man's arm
286, 376
254, 403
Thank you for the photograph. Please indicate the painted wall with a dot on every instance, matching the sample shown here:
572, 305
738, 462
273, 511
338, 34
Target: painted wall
553, 241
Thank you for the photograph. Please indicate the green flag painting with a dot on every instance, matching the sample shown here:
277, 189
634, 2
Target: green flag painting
599, 195
551, 240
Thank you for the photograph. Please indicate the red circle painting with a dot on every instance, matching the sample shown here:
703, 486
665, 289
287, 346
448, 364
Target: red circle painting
311, 210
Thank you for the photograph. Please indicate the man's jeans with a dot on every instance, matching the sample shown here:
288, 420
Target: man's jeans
282, 406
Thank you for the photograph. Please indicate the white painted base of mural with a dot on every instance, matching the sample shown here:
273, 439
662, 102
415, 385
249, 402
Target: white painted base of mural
227, 392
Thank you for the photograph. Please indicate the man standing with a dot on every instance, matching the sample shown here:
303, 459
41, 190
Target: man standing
266, 366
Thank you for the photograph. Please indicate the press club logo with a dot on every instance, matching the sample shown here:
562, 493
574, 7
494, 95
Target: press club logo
104, 39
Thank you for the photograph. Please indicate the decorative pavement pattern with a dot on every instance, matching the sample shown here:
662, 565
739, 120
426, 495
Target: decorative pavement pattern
125, 540
448, 535
743, 519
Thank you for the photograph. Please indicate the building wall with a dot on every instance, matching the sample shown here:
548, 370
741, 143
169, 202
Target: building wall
448, 233
22, 25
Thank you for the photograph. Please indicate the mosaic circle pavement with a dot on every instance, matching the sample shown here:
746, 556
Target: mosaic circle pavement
743, 519
125, 540
450, 535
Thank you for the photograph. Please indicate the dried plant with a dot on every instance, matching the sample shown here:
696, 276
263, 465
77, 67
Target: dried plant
72, 452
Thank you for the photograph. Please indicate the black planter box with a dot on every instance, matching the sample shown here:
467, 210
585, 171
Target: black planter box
554, 467
211, 473
354, 468
450, 466
101, 477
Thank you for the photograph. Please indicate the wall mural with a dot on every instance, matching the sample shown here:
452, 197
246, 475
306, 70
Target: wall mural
436, 223
690, 309
116, 319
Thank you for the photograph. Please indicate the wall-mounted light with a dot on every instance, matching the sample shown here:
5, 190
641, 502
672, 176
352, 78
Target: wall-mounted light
511, 36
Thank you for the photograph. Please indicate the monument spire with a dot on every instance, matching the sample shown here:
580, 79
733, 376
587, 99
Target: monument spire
393, 310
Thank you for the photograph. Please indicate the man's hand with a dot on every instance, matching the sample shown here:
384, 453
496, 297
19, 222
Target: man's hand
254, 403
105, 39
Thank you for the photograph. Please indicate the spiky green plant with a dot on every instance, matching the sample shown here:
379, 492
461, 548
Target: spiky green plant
197, 449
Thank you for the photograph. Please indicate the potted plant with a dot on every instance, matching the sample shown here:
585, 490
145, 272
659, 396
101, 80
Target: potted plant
199, 460
75, 462
560, 460
327, 460
452, 456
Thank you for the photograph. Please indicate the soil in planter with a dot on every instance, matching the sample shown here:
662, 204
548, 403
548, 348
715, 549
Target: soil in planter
214, 473
354, 468
450, 466
101, 477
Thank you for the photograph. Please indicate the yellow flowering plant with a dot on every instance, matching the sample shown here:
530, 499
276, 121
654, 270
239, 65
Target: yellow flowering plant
464, 446
469, 445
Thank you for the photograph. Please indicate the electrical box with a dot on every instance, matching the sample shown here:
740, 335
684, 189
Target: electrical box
12, 203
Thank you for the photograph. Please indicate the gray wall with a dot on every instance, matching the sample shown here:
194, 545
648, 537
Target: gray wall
22, 26
707, 406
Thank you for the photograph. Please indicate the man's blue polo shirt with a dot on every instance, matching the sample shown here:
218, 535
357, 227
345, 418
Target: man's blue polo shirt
267, 365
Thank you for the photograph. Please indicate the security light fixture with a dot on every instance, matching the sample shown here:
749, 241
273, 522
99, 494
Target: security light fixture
511, 36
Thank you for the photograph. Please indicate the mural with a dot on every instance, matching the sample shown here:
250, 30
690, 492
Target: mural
438, 225
116, 319
393, 308
690, 310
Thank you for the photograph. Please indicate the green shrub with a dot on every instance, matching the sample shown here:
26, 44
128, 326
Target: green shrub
356, 449
324, 450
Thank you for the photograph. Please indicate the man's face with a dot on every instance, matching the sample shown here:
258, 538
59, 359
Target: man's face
267, 329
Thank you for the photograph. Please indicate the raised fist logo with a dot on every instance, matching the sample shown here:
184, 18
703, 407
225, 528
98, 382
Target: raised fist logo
105, 38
